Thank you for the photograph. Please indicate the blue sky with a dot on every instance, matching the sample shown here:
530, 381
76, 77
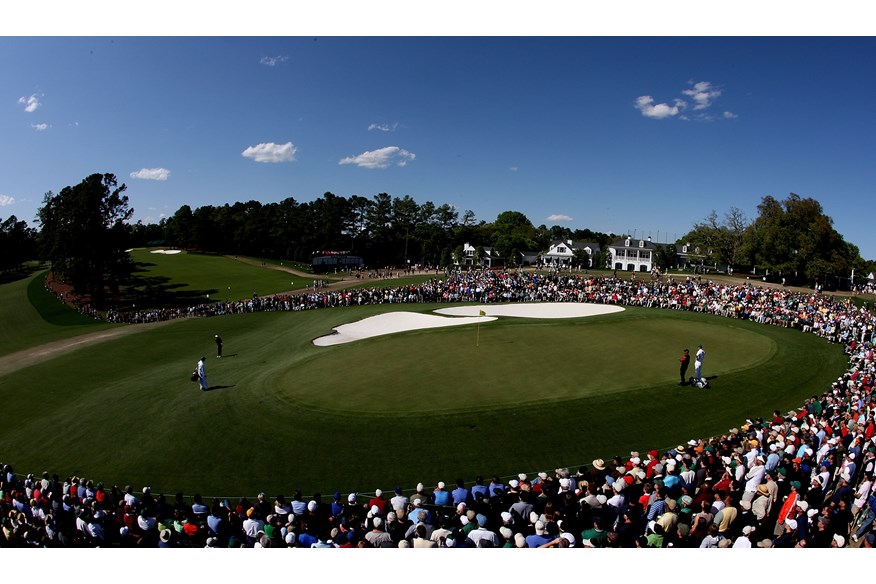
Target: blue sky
610, 133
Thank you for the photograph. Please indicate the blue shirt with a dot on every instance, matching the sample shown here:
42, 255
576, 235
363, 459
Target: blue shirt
670, 481
460, 495
306, 540
493, 487
479, 489
442, 497
657, 509
534, 541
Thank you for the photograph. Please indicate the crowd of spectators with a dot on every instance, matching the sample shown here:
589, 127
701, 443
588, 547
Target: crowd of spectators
799, 479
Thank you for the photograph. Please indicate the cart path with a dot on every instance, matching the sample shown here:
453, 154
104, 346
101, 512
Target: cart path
34, 355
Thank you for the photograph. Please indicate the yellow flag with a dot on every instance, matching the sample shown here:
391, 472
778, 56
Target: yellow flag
483, 313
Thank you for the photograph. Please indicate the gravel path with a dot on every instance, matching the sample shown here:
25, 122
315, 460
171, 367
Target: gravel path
27, 357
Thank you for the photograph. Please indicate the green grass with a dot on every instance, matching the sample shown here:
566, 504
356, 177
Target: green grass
191, 277
32, 316
418, 406
300, 266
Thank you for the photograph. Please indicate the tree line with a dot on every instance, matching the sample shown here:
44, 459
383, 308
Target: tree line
384, 230
85, 230
792, 237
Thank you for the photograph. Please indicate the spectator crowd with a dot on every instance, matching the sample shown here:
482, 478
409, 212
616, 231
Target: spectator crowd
798, 479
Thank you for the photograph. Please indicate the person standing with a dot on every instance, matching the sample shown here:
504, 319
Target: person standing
698, 364
202, 375
685, 363
218, 347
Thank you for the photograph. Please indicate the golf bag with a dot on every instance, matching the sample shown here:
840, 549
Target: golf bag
194, 375
701, 383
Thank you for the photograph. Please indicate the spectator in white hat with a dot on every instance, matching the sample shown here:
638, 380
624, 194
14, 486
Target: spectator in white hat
744, 540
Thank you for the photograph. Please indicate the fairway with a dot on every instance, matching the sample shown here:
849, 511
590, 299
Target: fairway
201, 277
426, 405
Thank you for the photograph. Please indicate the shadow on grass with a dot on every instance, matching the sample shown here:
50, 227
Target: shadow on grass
21, 273
159, 292
216, 387
50, 308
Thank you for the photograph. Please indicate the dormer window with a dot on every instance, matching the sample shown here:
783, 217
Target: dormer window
683, 249
627, 243
641, 243
561, 249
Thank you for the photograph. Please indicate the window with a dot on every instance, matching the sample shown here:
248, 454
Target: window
620, 253
684, 249
561, 249
641, 243
644, 255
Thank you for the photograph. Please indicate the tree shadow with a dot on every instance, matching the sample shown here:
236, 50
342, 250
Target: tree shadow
146, 291
21, 273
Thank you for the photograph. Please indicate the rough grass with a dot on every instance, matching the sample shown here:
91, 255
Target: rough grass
32, 316
419, 406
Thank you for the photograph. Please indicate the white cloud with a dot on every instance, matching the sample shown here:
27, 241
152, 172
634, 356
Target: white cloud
645, 104
702, 94
270, 152
6, 200
383, 127
514, 168
699, 97
381, 158
559, 217
273, 61
151, 174
39, 127
30, 103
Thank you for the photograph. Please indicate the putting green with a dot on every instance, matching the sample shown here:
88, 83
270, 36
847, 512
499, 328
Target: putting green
516, 361
426, 405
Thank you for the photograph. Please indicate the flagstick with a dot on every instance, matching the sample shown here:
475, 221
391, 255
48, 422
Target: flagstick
478, 341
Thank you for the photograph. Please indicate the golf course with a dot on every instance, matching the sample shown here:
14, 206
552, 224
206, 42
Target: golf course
506, 396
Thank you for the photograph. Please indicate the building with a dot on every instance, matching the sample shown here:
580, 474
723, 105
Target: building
326, 261
561, 253
529, 258
632, 255
689, 255
490, 259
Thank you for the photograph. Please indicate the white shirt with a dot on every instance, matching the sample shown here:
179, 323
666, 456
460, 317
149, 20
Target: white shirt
742, 542
755, 477
862, 494
700, 356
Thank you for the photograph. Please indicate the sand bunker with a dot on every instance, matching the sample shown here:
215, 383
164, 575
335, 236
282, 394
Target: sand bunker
166, 251
396, 322
391, 322
541, 310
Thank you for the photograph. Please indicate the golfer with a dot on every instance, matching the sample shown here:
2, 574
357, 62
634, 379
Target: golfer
218, 347
202, 375
698, 364
685, 363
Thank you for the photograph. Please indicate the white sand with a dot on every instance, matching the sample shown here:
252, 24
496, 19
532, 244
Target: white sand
395, 322
391, 322
166, 251
536, 310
